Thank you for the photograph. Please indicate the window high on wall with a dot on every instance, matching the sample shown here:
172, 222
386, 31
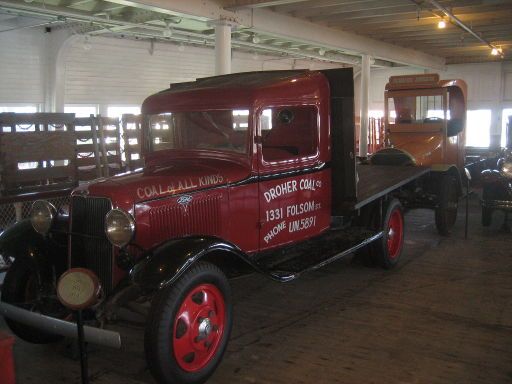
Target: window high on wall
81, 110
19, 108
507, 112
478, 128
119, 110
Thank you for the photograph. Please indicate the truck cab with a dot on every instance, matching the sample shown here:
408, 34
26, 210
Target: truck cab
425, 120
256, 154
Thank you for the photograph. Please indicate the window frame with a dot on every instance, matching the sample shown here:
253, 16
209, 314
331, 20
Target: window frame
293, 162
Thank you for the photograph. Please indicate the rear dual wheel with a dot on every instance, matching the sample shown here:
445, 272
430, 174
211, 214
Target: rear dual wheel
189, 326
386, 251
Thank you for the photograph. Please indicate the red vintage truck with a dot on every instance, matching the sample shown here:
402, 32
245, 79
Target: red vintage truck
244, 172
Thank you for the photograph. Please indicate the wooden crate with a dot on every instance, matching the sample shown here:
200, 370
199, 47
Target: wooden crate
132, 138
37, 152
88, 148
110, 145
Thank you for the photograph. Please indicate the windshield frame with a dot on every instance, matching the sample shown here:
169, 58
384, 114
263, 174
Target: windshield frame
391, 94
148, 136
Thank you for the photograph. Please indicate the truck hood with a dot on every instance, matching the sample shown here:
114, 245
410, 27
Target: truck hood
175, 177
421, 148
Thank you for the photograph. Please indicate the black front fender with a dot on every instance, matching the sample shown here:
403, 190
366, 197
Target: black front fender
21, 243
164, 264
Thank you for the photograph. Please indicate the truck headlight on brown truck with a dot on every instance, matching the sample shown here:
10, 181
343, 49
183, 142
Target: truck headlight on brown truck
119, 227
42, 215
506, 168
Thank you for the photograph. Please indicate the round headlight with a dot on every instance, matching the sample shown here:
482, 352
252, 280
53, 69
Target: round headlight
42, 215
506, 168
119, 227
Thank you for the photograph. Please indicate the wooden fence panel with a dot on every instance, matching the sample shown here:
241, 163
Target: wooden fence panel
132, 137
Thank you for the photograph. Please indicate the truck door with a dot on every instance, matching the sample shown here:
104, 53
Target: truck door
294, 183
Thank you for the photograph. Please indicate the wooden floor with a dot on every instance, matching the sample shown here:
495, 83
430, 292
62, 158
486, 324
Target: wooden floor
443, 316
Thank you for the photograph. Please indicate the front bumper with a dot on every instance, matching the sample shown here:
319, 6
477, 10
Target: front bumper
60, 327
505, 205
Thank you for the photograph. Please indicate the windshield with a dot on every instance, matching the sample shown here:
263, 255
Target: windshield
220, 130
414, 109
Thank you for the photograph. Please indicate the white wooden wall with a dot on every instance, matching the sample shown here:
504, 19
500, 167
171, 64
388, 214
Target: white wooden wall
124, 72
21, 67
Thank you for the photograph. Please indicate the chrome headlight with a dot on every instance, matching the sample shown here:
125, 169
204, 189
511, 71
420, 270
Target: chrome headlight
506, 168
119, 227
42, 215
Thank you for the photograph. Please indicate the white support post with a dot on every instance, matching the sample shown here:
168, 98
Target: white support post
55, 49
365, 99
222, 48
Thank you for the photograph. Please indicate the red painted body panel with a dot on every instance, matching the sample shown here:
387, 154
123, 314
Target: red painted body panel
230, 195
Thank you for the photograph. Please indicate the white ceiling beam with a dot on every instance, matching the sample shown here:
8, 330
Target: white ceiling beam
238, 4
288, 27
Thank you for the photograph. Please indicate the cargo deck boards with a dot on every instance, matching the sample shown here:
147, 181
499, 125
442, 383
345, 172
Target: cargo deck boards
378, 180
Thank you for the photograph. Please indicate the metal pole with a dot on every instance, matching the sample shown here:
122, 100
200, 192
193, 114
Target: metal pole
82, 345
467, 210
365, 99
222, 48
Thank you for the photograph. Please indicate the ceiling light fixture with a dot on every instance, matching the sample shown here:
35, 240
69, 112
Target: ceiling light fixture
441, 24
167, 32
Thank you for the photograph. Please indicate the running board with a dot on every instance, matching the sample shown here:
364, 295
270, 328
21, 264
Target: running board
317, 254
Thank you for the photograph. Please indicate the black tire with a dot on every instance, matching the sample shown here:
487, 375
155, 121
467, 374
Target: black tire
487, 194
168, 336
21, 285
448, 199
486, 216
386, 251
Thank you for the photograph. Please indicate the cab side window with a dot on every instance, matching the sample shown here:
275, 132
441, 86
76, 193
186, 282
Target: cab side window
289, 132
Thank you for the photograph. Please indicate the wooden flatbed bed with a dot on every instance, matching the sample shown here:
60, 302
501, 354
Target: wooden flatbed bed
378, 180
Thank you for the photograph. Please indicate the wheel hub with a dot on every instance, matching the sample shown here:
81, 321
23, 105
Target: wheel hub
205, 327
199, 327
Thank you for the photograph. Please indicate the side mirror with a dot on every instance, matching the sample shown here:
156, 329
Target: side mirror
455, 126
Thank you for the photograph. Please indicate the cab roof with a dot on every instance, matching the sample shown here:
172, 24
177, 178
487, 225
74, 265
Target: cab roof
239, 90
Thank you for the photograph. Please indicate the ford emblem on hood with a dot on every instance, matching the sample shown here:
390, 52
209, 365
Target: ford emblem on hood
185, 200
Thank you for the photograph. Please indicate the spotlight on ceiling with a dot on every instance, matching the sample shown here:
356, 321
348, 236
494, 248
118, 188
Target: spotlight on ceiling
441, 24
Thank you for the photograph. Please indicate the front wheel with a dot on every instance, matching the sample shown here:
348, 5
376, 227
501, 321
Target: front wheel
188, 326
446, 211
22, 287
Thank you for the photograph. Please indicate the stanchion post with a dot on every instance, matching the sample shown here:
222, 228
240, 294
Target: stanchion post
82, 345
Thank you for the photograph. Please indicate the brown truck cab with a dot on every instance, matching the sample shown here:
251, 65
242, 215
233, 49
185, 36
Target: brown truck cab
425, 120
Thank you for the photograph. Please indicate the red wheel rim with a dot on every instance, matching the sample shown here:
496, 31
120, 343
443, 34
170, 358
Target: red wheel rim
198, 327
395, 234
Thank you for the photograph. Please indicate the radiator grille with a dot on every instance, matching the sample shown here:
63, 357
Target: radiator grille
89, 246
201, 216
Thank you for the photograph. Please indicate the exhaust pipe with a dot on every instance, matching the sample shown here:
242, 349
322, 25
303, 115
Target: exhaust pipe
60, 327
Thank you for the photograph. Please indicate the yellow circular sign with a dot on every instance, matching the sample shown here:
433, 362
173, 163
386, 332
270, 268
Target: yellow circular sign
78, 288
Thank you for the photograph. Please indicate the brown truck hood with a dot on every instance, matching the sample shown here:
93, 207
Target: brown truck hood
421, 148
